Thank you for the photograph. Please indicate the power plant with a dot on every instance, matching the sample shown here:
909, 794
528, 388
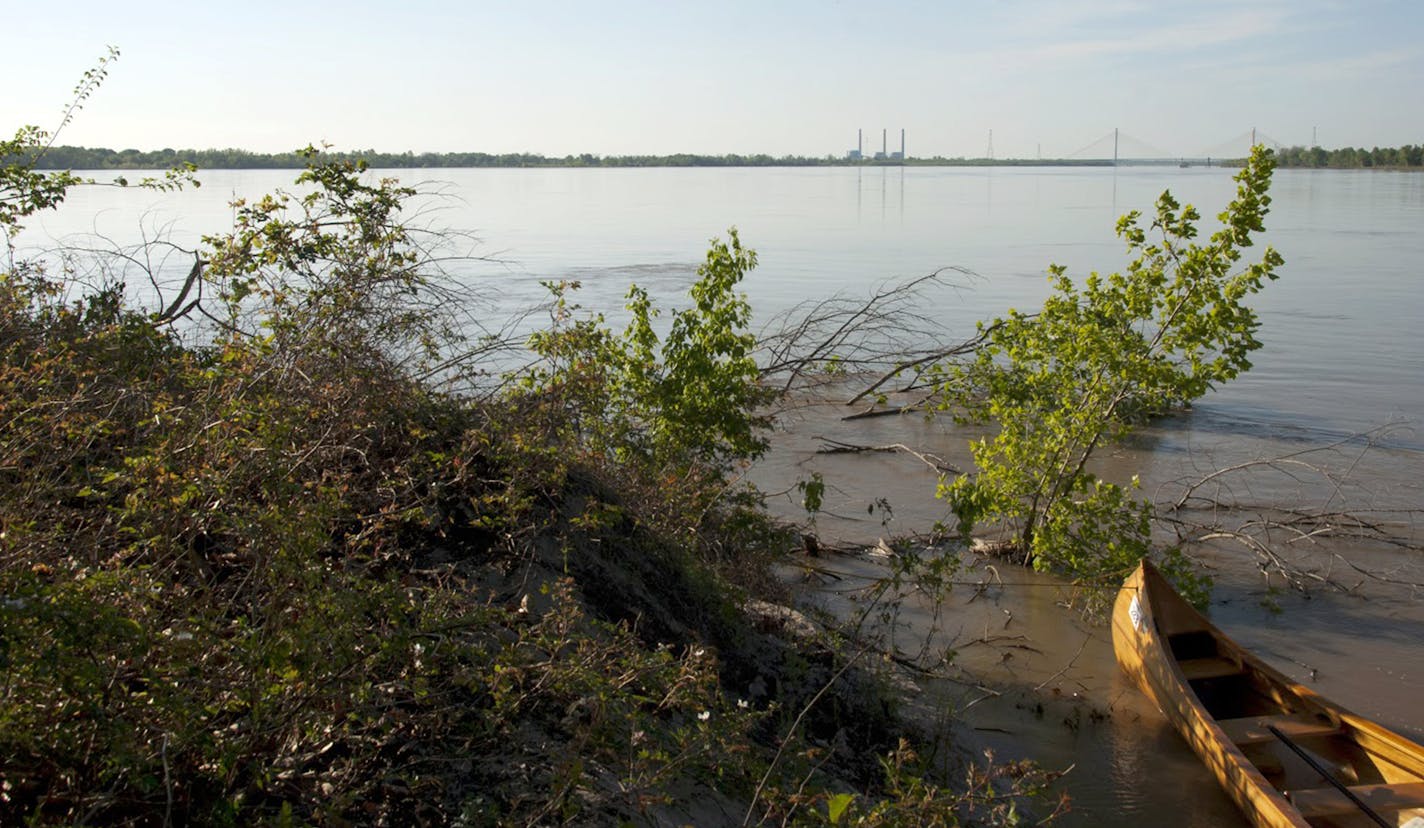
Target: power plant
1113, 149
858, 154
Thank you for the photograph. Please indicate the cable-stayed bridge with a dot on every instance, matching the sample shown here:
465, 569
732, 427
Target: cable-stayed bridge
1120, 148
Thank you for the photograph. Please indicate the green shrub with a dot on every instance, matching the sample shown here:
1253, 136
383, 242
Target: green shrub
1094, 361
268, 573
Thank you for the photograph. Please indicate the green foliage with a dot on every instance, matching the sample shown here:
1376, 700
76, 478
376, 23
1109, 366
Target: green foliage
683, 404
25, 189
336, 271
989, 794
267, 573
213, 601
1193, 583
1094, 361
99, 158
813, 493
705, 392
836, 807
653, 717
196, 622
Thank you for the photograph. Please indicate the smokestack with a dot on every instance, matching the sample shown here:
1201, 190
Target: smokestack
884, 146
859, 142
902, 143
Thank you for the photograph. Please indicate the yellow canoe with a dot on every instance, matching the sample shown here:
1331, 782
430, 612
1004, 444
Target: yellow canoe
1286, 755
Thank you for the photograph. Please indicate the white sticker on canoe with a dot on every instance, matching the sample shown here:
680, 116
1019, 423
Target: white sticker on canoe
1134, 611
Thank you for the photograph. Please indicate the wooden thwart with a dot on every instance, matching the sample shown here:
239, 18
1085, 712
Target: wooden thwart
1317, 802
1253, 730
1247, 720
1339, 788
1200, 669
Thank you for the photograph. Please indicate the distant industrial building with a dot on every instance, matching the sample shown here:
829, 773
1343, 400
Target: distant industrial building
858, 154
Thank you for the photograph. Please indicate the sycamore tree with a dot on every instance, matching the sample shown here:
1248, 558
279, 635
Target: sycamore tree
1095, 360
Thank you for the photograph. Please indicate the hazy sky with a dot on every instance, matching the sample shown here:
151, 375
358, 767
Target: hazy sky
774, 76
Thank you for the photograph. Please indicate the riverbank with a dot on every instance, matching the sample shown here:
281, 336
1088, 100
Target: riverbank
259, 565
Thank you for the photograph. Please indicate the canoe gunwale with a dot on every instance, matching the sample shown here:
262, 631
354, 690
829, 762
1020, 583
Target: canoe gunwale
1153, 627
1148, 659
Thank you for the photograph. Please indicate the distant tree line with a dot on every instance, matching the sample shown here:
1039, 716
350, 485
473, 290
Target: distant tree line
98, 158
1352, 158
86, 158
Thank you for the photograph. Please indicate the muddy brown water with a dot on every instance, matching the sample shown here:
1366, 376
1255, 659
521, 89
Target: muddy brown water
1032, 677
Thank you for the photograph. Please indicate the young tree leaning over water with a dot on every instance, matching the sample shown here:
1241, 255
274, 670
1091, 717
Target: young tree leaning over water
1093, 362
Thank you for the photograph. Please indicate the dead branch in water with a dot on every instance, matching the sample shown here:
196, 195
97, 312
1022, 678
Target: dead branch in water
815, 343
830, 446
872, 411
1209, 510
1288, 463
920, 363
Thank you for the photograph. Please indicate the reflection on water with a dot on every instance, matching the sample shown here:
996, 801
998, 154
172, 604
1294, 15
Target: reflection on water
1344, 350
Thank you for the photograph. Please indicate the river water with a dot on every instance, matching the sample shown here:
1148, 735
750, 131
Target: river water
1339, 386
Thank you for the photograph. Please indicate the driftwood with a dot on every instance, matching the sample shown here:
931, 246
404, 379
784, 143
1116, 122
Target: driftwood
1208, 510
841, 447
894, 411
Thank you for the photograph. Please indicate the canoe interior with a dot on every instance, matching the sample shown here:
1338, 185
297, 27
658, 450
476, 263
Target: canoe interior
1225, 701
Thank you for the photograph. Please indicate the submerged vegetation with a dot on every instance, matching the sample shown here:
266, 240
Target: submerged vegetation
1096, 360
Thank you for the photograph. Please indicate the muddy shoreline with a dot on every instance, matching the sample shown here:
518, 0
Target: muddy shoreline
1017, 669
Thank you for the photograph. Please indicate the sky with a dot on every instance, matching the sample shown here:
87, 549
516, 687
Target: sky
1050, 78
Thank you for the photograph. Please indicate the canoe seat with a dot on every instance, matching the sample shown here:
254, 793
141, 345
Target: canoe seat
1251, 730
1318, 802
1197, 669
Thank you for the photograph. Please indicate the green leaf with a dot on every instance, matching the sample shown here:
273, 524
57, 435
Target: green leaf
836, 807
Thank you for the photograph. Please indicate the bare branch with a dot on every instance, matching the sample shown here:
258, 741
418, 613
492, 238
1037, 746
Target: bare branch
819, 341
839, 447
1302, 543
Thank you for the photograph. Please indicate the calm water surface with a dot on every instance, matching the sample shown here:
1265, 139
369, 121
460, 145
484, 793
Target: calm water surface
1344, 336
1345, 343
